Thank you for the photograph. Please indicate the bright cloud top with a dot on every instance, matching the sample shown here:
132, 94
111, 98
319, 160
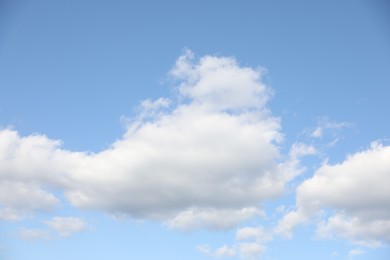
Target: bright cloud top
209, 151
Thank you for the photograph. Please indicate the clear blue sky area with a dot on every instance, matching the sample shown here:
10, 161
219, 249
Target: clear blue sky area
205, 168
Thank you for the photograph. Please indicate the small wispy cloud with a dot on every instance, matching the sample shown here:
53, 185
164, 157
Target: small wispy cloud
66, 226
326, 125
250, 244
355, 252
34, 234
62, 226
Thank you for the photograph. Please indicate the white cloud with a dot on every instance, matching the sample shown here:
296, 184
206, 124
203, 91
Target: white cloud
357, 192
34, 234
34, 159
10, 214
324, 124
225, 251
205, 249
219, 83
251, 250
364, 232
291, 166
149, 105
63, 226
249, 244
19, 199
212, 152
299, 149
355, 252
289, 221
28, 166
317, 132
255, 233
66, 226
221, 252
210, 218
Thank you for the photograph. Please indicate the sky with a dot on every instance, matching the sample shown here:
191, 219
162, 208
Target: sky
194, 129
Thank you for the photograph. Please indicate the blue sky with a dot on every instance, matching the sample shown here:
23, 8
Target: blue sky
194, 129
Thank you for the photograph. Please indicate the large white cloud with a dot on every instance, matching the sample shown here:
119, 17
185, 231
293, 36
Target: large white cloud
356, 191
217, 149
213, 148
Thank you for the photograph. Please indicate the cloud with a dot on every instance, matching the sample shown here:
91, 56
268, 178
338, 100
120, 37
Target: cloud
355, 252
210, 218
286, 225
34, 159
29, 168
357, 193
225, 251
256, 233
66, 226
205, 249
219, 83
251, 250
21, 199
326, 124
221, 252
371, 232
318, 131
34, 234
249, 244
211, 150
62, 226
215, 150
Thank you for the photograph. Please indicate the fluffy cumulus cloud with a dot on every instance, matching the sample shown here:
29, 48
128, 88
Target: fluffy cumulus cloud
212, 150
357, 193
